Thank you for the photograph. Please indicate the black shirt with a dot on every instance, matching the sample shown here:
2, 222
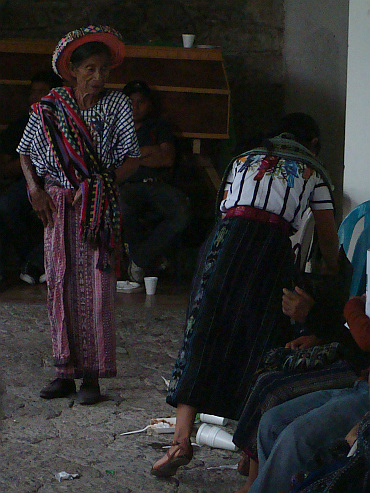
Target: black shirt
154, 131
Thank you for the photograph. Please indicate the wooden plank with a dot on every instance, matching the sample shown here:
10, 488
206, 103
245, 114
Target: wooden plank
193, 75
190, 84
46, 46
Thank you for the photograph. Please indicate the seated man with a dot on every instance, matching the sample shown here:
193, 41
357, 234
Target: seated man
291, 435
15, 209
154, 212
320, 315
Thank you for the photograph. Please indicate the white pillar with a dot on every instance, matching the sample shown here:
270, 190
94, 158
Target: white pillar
356, 185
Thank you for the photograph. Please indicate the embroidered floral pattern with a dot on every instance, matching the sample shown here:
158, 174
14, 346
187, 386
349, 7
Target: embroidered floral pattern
209, 265
277, 167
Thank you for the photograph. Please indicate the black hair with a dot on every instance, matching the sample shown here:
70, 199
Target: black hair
302, 127
48, 77
87, 50
138, 86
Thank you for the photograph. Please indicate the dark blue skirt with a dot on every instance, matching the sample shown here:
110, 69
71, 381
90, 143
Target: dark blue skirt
234, 316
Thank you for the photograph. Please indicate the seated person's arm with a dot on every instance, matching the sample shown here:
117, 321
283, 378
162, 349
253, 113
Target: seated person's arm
358, 321
327, 237
158, 156
127, 169
296, 305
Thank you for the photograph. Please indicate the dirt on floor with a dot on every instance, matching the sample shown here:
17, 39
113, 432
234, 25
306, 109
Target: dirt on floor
41, 438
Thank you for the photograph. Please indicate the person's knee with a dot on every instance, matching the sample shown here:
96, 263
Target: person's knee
268, 432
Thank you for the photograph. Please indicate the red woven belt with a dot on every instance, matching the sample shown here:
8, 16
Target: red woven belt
259, 216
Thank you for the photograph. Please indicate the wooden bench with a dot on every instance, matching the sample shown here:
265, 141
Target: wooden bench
190, 83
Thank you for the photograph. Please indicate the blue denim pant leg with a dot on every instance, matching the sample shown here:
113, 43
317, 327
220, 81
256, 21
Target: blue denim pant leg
292, 433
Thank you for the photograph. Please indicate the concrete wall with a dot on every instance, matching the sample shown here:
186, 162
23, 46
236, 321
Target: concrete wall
357, 150
315, 52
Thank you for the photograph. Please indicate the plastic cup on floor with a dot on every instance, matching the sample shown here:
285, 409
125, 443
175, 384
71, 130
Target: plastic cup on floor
150, 284
215, 437
212, 419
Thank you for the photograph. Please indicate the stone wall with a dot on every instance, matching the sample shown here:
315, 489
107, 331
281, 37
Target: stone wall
250, 33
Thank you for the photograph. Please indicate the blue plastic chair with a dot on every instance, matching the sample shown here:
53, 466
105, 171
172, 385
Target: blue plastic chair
358, 260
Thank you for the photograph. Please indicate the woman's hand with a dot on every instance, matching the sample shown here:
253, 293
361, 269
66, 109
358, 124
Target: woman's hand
352, 435
77, 197
296, 304
43, 205
304, 342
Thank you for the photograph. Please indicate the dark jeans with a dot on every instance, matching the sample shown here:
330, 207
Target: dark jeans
153, 215
17, 227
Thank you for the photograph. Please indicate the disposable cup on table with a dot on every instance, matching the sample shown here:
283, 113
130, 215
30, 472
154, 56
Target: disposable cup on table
188, 40
150, 284
215, 436
212, 419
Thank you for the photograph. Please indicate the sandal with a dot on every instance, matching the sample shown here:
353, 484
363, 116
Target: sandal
181, 456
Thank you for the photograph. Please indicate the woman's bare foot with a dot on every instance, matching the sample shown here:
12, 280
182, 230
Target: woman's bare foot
179, 454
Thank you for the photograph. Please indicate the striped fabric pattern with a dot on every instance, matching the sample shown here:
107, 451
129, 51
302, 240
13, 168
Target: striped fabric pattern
234, 316
80, 298
283, 186
276, 387
76, 158
111, 126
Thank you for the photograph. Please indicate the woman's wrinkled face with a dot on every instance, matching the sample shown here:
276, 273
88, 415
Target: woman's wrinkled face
92, 73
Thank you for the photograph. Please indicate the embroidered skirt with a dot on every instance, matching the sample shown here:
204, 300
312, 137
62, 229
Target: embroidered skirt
234, 316
80, 297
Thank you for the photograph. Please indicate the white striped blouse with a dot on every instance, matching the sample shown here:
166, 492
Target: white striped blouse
111, 125
283, 186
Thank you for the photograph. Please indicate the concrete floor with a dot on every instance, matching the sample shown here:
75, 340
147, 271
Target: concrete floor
41, 438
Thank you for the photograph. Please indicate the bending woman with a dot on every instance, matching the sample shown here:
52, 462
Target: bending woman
78, 143
234, 315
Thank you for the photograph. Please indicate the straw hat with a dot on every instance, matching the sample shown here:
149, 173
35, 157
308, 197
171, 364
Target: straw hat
74, 39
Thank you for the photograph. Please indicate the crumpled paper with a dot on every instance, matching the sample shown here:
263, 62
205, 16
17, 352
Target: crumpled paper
66, 475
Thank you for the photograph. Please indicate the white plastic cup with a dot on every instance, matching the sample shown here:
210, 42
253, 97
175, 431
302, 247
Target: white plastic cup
150, 284
188, 40
212, 419
214, 437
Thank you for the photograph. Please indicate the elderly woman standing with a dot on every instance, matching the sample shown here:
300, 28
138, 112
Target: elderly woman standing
78, 143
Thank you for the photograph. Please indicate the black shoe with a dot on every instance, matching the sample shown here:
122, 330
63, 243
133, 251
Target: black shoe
58, 388
89, 393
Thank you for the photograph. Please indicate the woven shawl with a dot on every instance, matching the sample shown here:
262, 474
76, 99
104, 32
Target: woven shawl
74, 152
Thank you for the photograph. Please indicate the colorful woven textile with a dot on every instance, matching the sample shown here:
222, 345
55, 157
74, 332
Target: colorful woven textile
313, 358
80, 297
74, 39
74, 152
